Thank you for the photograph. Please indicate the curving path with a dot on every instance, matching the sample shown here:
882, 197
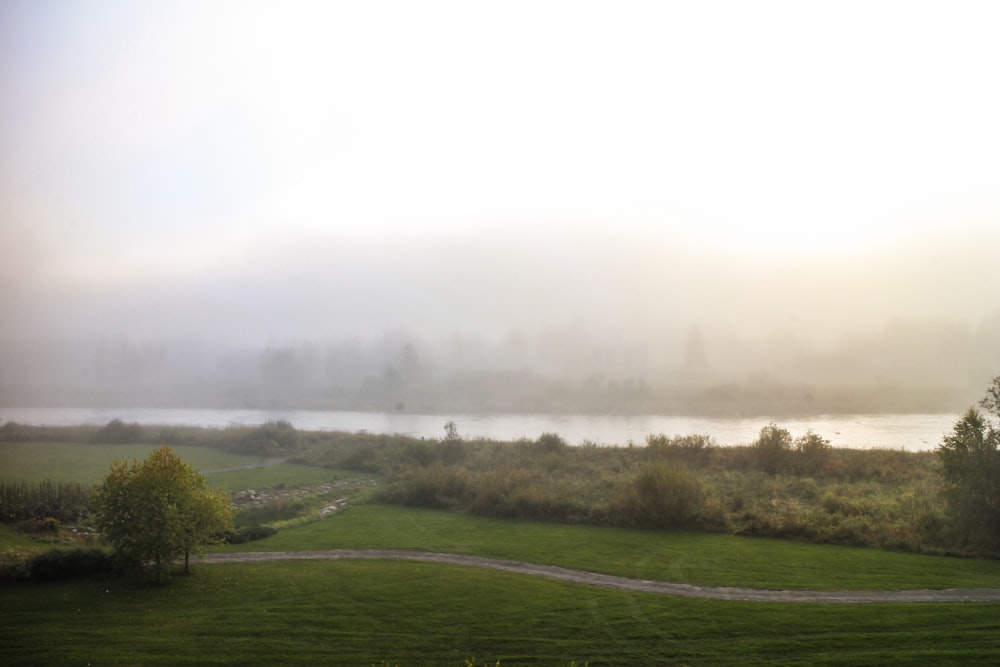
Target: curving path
611, 581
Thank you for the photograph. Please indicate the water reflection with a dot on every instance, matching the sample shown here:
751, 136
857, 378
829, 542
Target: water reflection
912, 432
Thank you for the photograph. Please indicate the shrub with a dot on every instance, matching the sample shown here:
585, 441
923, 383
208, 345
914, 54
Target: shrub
117, 432
812, 453
66, 563
494, 488
435, 486
693, 450
270, 438
551, 442
249, 534
15, 564
48, 525
772, 448
662, 496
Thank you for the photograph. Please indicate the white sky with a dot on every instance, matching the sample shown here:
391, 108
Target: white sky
142, 141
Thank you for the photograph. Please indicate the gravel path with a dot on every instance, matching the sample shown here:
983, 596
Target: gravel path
610, 581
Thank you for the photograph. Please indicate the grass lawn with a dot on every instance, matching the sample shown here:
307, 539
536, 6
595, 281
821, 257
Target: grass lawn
705, 559
403, 613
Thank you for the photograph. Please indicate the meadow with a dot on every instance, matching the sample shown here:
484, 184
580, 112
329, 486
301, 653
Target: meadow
88, 463
389, 613
404, 613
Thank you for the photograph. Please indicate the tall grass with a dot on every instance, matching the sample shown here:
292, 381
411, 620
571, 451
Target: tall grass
882, 498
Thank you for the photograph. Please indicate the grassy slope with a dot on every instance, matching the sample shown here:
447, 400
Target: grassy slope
361, 613
707, 559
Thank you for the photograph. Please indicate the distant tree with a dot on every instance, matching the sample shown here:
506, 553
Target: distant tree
551, 442
812, 452
117, 432
270, 438
158, 510
970, 465
773, 448
991, 402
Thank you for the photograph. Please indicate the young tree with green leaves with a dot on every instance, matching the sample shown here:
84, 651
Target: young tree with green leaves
970, 465
154, 511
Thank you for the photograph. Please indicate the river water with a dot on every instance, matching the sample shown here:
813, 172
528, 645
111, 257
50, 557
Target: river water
911, 432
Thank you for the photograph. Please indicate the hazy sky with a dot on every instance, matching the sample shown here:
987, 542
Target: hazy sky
288, 167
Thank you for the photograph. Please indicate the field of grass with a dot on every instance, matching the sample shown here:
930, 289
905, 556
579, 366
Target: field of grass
89, 463
399, 613
403, 613
695, 558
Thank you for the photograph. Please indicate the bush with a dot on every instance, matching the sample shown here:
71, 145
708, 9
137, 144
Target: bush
15, 564
66, 563
249, 534
117, 432
435, 486
270, 438
551, 442
662, 496
812, 453
46, 526
773, 448
692, 450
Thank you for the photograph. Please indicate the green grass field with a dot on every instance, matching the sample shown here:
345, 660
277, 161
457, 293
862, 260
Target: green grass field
389, 613
402, 613
705, 559
89, 463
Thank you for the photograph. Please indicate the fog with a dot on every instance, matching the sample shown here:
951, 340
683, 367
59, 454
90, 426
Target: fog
561, 209
545, 319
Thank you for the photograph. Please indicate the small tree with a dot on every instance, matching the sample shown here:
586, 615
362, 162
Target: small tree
812, 452
970, 466
773, 448
157, 510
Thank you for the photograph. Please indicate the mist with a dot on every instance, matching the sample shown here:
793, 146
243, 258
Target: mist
551, 318
665, 208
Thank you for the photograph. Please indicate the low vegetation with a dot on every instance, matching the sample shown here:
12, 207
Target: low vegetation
807, 491
780, 486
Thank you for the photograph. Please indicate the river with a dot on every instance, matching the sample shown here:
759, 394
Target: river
911, 432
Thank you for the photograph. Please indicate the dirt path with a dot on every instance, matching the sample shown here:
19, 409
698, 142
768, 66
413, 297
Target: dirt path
611, 581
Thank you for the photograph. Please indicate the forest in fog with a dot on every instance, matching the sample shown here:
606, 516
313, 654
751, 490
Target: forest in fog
904, 366
674, 208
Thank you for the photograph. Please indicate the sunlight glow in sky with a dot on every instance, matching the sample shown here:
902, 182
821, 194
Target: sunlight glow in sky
140, 140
